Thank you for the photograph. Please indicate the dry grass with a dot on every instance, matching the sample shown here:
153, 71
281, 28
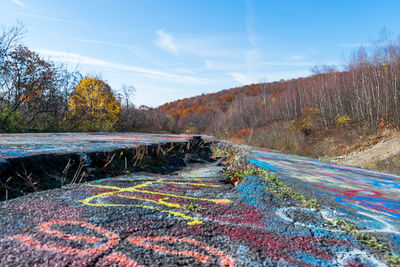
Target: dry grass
321, 143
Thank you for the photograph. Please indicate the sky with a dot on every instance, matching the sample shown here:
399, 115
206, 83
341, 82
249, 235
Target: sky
172, 49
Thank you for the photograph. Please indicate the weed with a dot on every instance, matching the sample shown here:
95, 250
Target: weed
282, 190
193, 207
82, 163
5, 187
326, 158
109, 160
234, 162
236, 176
65, 172
28, 179
392, 259
371, 241
364, 238
310, 203
140, 154
237, 171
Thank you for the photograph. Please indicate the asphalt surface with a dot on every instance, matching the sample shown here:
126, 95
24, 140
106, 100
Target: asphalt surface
366, 198
29, 144
195, 218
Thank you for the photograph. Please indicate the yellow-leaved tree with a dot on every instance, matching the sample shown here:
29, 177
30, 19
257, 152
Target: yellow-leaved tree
93, 106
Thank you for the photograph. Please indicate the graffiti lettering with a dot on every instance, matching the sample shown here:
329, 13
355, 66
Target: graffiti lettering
142, 194
112, 238
141, 241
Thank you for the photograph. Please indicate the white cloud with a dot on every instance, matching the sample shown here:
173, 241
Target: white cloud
19, 3
183, 70
104, 43
354, 45
165, 41
153, 74
299, 63
43, 18
240, 77
295, 58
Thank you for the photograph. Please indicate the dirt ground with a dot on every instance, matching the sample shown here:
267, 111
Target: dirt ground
383, 156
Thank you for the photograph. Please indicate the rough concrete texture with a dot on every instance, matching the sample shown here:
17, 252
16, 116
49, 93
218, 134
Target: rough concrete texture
22, 145
195, 218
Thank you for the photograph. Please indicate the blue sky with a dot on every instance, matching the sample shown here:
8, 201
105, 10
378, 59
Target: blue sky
171, 49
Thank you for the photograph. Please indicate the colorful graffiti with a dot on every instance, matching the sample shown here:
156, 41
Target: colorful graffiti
113, 240
364, 196
139, 192
21, 145
365, 200
45, 228
194, 218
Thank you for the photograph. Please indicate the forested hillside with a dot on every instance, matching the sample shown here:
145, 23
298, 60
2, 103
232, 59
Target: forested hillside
288, 115
194, 114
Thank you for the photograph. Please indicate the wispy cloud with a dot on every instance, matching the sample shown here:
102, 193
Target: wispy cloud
136, 50
40, 17
301, 63
19, 3
354, 45
166, 41
153, 74
104, 43
233, 70
295, 58
239, 77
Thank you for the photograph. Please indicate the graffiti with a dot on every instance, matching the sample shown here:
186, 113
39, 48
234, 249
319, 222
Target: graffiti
121, 259
113, 240
366, 200
369, 199
22, 145
139, 192
45, 228
323, 175
144, 242
141, 220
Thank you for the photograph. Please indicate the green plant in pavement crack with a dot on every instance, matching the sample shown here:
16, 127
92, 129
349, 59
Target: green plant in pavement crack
393, 259
236, 172
193, 207
367, 239
282, 190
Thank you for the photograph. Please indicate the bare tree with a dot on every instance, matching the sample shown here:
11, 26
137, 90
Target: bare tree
9, 38
128, 93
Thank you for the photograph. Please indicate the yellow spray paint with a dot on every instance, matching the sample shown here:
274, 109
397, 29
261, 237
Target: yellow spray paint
162, 201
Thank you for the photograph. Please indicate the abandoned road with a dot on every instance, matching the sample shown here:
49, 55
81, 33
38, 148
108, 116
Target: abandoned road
194, 217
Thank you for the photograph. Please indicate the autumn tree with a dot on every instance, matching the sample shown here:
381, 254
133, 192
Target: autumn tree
29, 86
93, 106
